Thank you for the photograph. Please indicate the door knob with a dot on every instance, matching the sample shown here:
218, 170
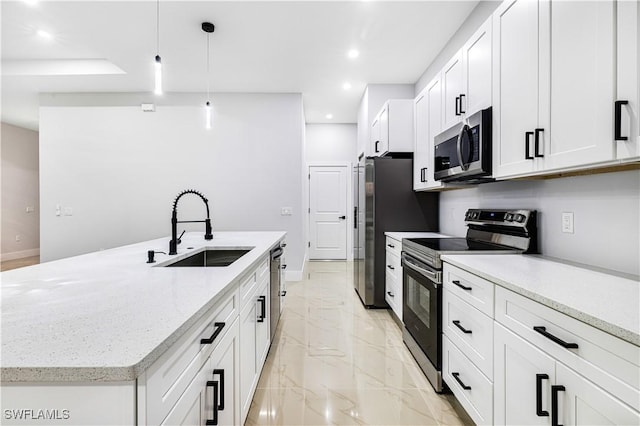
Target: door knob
342, 217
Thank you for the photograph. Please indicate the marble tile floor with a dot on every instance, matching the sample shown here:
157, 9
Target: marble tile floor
334, 362
7, 265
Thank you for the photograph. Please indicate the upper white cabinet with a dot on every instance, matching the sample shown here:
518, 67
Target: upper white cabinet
557, 81
428, 123
466, 78
628, 84
392, 129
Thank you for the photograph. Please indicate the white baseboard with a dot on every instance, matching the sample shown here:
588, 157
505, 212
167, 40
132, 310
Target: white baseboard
19, 254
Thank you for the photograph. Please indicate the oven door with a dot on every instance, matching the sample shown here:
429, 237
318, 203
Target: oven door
421, 306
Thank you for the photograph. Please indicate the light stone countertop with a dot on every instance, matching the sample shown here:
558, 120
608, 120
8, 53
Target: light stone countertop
606, 301
108, 315
400, 235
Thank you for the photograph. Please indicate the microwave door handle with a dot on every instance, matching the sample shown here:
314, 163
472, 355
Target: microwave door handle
432, 275
459, 148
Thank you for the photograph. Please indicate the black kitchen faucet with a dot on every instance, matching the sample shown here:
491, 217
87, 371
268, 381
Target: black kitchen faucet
175, 240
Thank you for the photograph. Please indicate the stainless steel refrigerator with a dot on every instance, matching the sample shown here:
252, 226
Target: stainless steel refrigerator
384, 201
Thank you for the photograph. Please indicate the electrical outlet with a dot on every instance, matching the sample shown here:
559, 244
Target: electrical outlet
18, 238
68, 211
286, 211
567, 222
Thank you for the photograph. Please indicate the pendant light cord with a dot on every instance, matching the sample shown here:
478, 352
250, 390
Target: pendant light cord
158, 26
208, 61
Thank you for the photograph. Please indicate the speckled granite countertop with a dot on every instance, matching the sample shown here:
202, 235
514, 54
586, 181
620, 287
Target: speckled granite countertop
108, 315
400, 235
606, 301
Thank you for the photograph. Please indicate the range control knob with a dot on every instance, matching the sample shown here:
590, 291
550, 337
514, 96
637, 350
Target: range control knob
508, 217
520, 218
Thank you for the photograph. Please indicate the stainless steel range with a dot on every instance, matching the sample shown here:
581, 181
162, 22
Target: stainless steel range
489, 232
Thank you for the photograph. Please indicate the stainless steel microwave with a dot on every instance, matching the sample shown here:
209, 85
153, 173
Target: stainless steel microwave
463, 152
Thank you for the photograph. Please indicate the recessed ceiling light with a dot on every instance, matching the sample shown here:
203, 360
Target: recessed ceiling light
353, 53
31, 2
346, 86
329, 116
44, 34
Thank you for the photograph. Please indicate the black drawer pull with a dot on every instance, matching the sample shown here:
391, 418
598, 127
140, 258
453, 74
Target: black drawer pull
391, 245
457, 102
391, 267
390, 294
220, 372
455, 376
554, 404
545, 333
527, 144
283, 293
218, 326
456, 282
214, 385
537, 144
539, 411
618, 121
461, 111
377, 142
263, 308
464, 330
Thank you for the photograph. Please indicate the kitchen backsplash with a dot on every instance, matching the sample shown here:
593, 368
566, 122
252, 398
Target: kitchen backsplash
606, 210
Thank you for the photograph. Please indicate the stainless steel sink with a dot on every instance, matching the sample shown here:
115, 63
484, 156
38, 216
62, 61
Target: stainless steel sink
211, 258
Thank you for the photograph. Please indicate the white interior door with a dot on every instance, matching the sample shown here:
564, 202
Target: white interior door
328, 212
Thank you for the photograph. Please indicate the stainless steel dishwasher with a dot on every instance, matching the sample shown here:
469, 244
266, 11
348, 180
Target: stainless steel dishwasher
277, 285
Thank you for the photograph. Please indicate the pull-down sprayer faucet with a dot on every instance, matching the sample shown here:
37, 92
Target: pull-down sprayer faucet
173, 244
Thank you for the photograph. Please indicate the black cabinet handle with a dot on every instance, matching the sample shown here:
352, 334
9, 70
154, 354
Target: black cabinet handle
554, 404
617, 127
537, 143
457, 102
342, 217
218, 326
455, 376
283, 266
527, 144
283, 293
214, 385
391, 267
461, 96
391, 245
456, 282
355, 217
263, 307
539, 411
220, 372
423, 174
545, 333
464, 330
377, 142
390, 294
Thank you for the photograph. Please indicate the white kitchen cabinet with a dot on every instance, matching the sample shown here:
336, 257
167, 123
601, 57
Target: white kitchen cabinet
393, 276
254, 340
466, 78
392, 129
628, 75
557, 81
213, 393
523, 379
428, 123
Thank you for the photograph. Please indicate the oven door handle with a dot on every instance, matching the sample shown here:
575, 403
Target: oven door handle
411, 265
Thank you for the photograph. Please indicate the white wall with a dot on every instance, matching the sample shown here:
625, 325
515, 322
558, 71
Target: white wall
120, 169
606, 211
333, 144
19, 155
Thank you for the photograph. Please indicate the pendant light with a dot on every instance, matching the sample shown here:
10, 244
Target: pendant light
157, 66
208, 28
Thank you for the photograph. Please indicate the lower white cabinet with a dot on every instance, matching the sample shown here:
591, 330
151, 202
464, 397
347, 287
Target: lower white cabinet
212, 396
254, 340
393, 276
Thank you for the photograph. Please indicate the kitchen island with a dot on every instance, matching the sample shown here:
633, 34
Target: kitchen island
89, 328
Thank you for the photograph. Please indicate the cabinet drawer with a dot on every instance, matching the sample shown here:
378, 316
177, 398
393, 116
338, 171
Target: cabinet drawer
169, 376
474, 290
393, 265
458, 371
391, 289
602, 358
476, 340
394, 246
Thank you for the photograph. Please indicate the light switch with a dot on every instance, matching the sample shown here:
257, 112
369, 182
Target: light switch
29, 209
286, 211
567, 222
58, 210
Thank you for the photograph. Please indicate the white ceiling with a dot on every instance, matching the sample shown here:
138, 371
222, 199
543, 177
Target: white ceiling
259, 46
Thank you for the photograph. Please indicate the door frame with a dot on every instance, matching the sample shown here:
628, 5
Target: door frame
348, 165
